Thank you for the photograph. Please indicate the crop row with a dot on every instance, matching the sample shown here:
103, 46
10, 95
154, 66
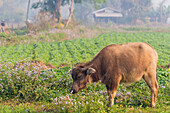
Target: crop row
25, 83
82, 50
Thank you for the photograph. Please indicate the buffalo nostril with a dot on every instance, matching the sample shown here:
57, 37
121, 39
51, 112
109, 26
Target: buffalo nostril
71, 91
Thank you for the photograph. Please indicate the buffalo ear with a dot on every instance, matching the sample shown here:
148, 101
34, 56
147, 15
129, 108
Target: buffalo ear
70, 71
90, 71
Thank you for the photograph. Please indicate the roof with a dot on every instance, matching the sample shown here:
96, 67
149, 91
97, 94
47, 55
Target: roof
107, 12
109, 15
107, 9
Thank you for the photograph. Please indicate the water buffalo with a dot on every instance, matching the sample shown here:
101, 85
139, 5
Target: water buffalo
115, 64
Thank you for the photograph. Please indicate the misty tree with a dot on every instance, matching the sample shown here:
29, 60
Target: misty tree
163, 12
71, 13
167, 14
135, 9
83, 11
28, 7
95, 3
160, 14
115, 4
54, 6
131, 9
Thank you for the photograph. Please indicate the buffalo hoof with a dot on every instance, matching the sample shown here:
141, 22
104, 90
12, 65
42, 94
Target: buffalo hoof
109, 105
152, 106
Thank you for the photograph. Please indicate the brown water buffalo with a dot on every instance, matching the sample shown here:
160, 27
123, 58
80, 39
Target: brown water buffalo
115, 64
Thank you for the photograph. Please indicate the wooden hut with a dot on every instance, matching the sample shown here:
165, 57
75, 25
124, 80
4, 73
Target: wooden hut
107, 14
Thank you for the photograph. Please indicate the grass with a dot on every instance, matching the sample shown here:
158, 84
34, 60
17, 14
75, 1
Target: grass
20, 38
136, 29
82, 50
26, 87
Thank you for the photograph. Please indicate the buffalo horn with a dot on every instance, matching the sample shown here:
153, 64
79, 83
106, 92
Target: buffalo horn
83, 69
73, 66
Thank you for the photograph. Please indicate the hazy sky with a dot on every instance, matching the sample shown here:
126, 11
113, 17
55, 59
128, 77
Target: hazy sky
157, 2
65, 11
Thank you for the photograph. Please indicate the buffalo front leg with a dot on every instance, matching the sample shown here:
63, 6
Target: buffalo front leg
112, 95
112, 90
108, 90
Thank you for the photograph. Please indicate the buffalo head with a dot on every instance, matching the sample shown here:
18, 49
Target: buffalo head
81, 77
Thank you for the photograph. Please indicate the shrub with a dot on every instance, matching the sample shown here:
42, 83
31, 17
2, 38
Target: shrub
26, 82
21, 31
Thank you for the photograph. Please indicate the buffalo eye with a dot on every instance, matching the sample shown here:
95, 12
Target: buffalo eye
80, 77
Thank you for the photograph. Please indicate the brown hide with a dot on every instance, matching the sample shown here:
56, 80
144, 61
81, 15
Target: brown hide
119, 63
130, 61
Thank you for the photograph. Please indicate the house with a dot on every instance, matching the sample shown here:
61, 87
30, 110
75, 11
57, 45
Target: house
106, 15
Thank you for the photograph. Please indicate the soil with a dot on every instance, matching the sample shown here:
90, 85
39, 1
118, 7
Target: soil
43, 66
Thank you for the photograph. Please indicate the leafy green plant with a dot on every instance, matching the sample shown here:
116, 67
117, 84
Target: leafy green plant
3, 35
21, 31
25, 82
82, 50
34, 89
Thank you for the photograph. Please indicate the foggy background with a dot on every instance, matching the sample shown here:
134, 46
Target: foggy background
14, 11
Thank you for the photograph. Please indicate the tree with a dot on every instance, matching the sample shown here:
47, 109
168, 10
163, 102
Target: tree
167, 13
163, 11
135, 9
28, 7
54, 6
71, 13
94, 2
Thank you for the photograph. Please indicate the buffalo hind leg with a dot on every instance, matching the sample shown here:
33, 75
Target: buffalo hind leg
152, 82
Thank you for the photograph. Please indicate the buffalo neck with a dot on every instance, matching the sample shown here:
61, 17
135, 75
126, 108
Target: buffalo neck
96, 64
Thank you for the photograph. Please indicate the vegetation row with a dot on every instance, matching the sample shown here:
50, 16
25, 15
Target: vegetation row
32, 89
27, 87
82, 50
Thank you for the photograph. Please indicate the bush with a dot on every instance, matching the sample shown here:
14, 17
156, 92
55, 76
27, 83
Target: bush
26, 82
21, 31
4, 35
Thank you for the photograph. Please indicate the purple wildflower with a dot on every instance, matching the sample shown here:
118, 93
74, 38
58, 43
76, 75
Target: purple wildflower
163, 86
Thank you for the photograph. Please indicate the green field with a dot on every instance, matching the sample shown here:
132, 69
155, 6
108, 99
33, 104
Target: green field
82, 50
25, 87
